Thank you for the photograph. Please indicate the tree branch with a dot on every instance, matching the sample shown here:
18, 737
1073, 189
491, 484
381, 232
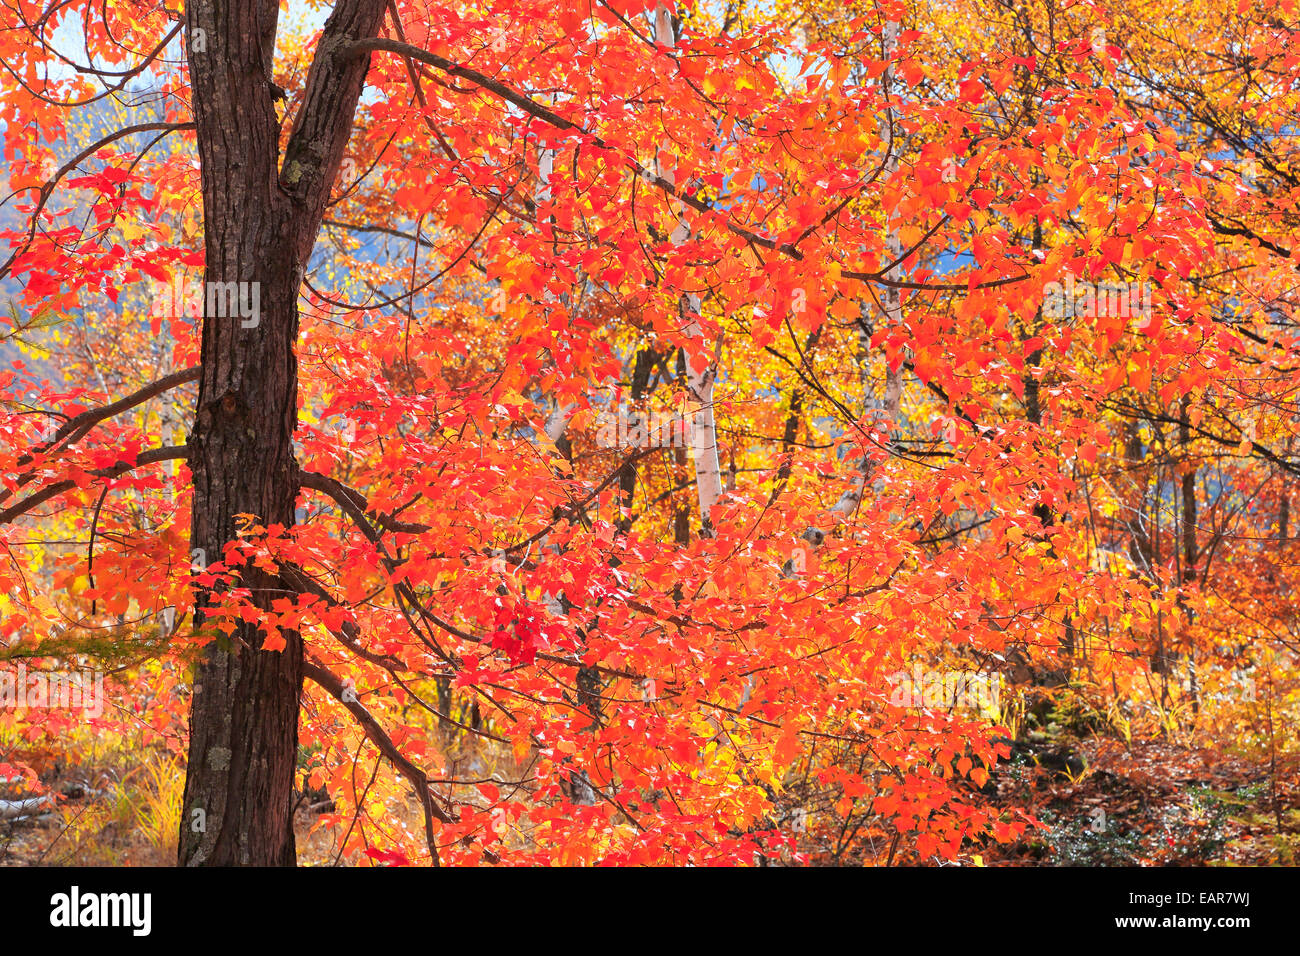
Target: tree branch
50, 491
538, 111
331, 684
76, 428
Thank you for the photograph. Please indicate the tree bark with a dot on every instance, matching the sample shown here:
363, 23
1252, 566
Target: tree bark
260, 224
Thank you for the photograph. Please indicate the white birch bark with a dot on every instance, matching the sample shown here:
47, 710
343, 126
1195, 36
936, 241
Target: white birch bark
558, 421
704, 431
581, 789
701, 368
25, 807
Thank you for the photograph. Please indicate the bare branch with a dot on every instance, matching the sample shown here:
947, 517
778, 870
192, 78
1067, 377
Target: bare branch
76, 428
51, 491
330, 682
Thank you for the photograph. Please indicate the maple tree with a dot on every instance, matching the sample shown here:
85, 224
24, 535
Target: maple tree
578, 418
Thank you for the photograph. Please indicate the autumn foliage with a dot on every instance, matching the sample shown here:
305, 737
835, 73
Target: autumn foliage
1063, 231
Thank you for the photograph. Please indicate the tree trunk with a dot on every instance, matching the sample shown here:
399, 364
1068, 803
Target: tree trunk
259, 227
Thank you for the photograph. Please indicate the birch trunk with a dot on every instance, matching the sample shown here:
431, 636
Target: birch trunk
701, 369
